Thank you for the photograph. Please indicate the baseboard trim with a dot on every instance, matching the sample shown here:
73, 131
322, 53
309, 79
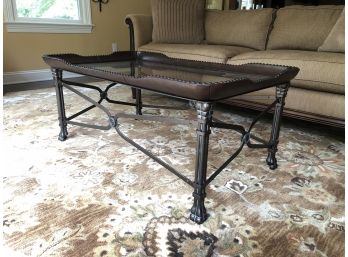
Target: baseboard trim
19, 77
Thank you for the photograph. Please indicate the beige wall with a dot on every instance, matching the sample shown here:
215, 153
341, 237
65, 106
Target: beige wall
23, 51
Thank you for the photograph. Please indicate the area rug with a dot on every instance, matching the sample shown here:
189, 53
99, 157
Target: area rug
96, 195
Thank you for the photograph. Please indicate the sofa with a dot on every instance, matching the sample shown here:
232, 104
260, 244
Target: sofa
308, 37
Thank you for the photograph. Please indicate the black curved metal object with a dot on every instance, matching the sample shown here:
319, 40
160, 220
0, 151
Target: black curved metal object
101, 2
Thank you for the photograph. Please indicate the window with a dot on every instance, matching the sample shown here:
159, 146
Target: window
51, 16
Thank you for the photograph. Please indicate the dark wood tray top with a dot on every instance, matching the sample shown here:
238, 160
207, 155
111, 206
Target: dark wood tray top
202, 81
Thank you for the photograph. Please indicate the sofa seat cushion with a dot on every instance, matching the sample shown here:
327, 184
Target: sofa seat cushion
300, 101
320, 71
199, 52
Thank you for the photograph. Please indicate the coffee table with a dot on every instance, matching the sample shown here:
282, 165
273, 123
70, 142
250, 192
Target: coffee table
201, 83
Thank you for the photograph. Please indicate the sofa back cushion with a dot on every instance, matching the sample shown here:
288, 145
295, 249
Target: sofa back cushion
178, 21
303, 27
335, 40
247, 28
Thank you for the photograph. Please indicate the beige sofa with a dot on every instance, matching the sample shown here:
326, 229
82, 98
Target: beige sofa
295, 35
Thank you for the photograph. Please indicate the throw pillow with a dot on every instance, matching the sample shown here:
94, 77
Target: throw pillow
335, 40
247, 28
178, 21
303, 27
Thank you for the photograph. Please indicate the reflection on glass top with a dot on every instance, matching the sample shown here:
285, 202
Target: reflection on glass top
146, 68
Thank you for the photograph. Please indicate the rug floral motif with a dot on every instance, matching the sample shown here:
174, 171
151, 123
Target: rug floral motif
96, 195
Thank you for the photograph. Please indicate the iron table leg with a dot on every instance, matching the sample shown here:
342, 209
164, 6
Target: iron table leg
57, 78
139, 103
134, 90
281, 92
204, 119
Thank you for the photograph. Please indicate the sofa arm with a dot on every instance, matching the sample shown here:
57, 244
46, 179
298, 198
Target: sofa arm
140, 30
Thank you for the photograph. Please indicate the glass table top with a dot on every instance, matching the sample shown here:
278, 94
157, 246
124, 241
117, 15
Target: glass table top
147, 68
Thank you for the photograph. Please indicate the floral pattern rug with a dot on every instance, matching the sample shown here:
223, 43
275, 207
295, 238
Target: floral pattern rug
96, 195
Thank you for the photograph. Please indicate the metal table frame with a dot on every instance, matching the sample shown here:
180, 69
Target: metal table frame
204, 123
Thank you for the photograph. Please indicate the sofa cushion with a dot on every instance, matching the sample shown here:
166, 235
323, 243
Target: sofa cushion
207, 53
178, 21
303, 27
247, 28
321, 71
335, 40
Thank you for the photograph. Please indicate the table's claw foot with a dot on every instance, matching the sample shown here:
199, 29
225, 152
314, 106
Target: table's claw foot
272, 161
113, 121
63, 135
198, 214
